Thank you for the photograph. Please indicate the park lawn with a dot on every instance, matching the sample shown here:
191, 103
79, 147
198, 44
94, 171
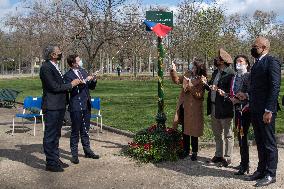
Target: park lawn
127, 104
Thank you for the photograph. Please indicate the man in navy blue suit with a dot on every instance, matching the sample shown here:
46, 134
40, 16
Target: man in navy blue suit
54, 100
263, 99
80, 108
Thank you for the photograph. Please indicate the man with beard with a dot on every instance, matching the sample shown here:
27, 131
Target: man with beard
221, 108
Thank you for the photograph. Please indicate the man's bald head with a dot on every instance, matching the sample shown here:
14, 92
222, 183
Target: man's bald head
260, 47
262, 42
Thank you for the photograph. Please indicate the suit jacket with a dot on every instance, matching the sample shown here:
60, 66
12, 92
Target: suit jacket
54, 96
80, 98
265, 85
223, 107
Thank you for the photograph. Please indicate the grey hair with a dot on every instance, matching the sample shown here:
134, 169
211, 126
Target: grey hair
47, 51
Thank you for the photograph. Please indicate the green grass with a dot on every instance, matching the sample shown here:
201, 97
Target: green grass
127, 104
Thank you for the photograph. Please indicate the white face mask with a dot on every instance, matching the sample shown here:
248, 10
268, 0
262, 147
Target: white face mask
241, 68
80, 63
190, 66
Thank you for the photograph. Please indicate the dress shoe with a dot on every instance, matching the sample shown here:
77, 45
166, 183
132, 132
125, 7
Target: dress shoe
217, 159
62, 164
92, 155
75, 160
242, 170
265, 181
224, 163
255, 176
54, 168
193, 156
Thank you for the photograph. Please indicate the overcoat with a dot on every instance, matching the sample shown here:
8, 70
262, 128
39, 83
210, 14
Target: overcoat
192, 100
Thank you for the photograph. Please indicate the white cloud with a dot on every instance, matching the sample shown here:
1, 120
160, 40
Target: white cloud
4, 4
9, 8
249, 6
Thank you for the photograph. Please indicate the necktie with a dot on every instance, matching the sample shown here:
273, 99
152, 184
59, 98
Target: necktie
80, 75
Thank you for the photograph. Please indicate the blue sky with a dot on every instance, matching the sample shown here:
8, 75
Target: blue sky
232, 6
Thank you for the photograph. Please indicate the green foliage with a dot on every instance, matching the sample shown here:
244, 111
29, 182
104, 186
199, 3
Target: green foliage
156, 144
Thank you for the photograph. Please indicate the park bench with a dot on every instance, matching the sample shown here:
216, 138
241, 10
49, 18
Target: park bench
8, 97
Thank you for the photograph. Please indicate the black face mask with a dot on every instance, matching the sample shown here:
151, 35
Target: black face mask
215, 62
59, 56
254, 52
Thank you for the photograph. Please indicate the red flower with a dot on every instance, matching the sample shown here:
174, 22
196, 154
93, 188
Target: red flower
170, 130
147, 146
133, 144
152, 128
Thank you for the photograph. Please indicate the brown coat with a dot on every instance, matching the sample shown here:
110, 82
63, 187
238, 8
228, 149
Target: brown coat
192, 100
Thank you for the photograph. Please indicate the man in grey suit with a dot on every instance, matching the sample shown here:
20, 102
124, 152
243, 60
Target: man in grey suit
54, 100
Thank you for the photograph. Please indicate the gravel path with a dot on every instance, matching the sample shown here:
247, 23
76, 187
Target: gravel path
22, 165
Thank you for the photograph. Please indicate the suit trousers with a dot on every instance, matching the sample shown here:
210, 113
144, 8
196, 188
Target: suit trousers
266, 144
223, 132
52, 133
80, 125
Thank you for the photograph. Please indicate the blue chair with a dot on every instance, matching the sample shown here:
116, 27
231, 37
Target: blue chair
96, 105
30, 103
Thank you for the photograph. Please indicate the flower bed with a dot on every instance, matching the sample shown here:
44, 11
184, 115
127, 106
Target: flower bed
156, 144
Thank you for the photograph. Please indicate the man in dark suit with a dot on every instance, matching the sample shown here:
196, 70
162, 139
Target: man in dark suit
54, 100
263, 97
80, 108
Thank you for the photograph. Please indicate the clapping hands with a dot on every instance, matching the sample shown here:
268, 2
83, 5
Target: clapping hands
76, 82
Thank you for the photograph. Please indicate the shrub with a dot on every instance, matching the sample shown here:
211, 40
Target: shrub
156, 144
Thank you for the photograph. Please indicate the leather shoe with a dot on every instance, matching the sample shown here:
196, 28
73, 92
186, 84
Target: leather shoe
75, 160
62, 164
224, 163
54, 168
92, 155
255, 176
217, 159
193, 156
265, 181
242, 170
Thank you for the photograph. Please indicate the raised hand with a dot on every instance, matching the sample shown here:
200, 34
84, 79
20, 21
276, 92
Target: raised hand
203, 79
174, 66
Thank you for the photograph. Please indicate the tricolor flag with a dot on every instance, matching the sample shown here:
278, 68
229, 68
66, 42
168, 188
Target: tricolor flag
160, 30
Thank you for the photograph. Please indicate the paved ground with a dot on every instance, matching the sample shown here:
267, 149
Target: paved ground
22, 165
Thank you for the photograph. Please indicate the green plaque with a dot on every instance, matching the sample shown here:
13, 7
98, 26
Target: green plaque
165, 18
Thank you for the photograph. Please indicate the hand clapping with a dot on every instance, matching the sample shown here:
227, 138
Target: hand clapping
76, 82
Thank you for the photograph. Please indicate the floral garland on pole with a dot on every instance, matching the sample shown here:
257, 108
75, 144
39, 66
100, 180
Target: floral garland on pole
157, 143
161, 116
